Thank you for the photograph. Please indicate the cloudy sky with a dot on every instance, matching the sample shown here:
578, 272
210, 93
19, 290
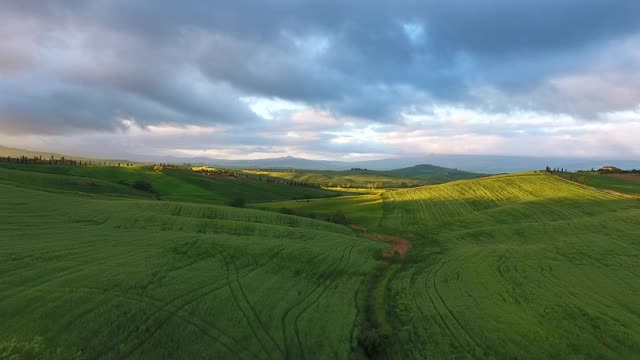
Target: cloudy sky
323, 79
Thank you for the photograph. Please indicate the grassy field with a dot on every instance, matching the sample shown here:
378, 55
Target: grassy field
432, 174
169, 184
524, 266
347, 178
407, 177
364, 210
626, 184
144, 279
521, 266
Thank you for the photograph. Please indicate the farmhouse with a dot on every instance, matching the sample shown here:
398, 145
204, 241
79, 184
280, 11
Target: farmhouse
609, 169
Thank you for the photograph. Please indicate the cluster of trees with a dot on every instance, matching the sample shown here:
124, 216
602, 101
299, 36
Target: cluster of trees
162, 166
582, 179
370, 186
221, 173
57, 161
238, 175
288, 182
610, 170
144, 186
45, 161
554, 170
374, 186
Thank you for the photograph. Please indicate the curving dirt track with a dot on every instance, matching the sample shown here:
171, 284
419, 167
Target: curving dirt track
399, 245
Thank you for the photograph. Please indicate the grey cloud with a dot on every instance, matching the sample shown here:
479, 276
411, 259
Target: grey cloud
134, 57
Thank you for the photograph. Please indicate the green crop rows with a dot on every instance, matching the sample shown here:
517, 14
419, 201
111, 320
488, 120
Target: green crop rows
522, 266
132, 278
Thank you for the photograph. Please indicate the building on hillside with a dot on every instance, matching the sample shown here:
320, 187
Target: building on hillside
609, 169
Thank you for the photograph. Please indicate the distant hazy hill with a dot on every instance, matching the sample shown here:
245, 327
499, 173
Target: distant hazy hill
434, 174
359, 177
14, 152
486, 164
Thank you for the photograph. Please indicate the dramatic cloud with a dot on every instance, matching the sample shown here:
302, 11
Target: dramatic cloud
323, 79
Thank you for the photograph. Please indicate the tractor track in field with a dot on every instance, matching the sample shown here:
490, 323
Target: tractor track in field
157, 278
435, 308
69, 271
578, 297
205, 328
314, 301
178, 313
56, 251
283, 319
435, 287
242, 310
253, 310
48, 253
301, 301
164, 307
413, 280
195, 322
210, 289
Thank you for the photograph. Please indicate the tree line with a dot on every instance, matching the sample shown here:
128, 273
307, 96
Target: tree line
241, 176
39, 160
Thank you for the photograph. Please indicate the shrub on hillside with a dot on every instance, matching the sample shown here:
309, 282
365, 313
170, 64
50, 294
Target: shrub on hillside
373, 342
143, 186
237, 202
339, 218
287, 211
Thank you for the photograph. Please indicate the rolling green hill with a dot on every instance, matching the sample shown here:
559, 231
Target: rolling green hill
347, 178
525, 266
364, 210
361, 178
432, 174
169, 184
111, 279
626, 184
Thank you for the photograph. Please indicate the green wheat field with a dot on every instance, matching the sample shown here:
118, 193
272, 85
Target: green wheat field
518, 266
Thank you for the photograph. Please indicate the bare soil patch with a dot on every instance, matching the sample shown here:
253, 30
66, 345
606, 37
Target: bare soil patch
358, 228
628, 177
399, 245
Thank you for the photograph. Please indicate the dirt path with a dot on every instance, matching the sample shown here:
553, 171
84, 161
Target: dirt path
399, 245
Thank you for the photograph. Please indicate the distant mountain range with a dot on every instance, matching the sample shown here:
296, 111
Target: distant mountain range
488, 164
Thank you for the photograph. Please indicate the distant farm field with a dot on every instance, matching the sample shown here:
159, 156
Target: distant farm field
622, 183
168, 184
363, 178
627, 177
